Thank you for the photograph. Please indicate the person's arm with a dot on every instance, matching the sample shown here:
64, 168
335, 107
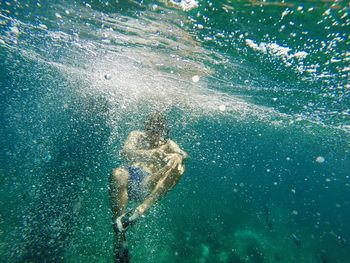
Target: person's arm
175, 156
172, 147
133, 152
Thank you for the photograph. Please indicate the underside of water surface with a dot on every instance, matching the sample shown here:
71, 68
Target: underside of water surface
256, 92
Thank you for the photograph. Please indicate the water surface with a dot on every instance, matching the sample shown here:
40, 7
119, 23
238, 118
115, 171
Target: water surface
257, 92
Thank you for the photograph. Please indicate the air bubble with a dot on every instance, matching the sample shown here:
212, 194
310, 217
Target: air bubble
195, 78
320, 159
222, 107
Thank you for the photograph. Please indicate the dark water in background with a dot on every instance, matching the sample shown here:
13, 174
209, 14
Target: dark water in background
77, 76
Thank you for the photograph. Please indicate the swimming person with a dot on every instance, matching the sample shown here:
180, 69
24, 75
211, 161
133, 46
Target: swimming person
154, 165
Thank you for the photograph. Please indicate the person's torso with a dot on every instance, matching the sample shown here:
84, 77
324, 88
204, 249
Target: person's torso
151, 166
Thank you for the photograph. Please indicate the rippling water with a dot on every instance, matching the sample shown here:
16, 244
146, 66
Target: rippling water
256, 91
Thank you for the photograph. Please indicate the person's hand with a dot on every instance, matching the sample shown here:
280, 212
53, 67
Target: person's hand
158, 154
165, 145
174, 161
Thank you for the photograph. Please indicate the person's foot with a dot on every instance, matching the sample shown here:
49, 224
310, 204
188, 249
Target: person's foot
121, 252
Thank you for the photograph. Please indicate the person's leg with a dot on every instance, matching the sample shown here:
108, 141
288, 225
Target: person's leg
150, 181
164, 185
118, 185
119, 191
168, 180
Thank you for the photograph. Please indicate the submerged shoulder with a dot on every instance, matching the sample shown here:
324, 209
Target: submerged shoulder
136, 134
134, 140
172, 143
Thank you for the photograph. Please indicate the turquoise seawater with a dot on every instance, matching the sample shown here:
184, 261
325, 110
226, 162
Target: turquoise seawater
257, 92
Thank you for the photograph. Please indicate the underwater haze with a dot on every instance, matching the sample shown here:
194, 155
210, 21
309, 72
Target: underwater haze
257, 92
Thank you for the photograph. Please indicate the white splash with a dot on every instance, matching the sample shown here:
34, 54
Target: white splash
275, 50
185, 5
284, 53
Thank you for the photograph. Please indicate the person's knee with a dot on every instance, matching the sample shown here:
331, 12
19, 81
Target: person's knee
120, 176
